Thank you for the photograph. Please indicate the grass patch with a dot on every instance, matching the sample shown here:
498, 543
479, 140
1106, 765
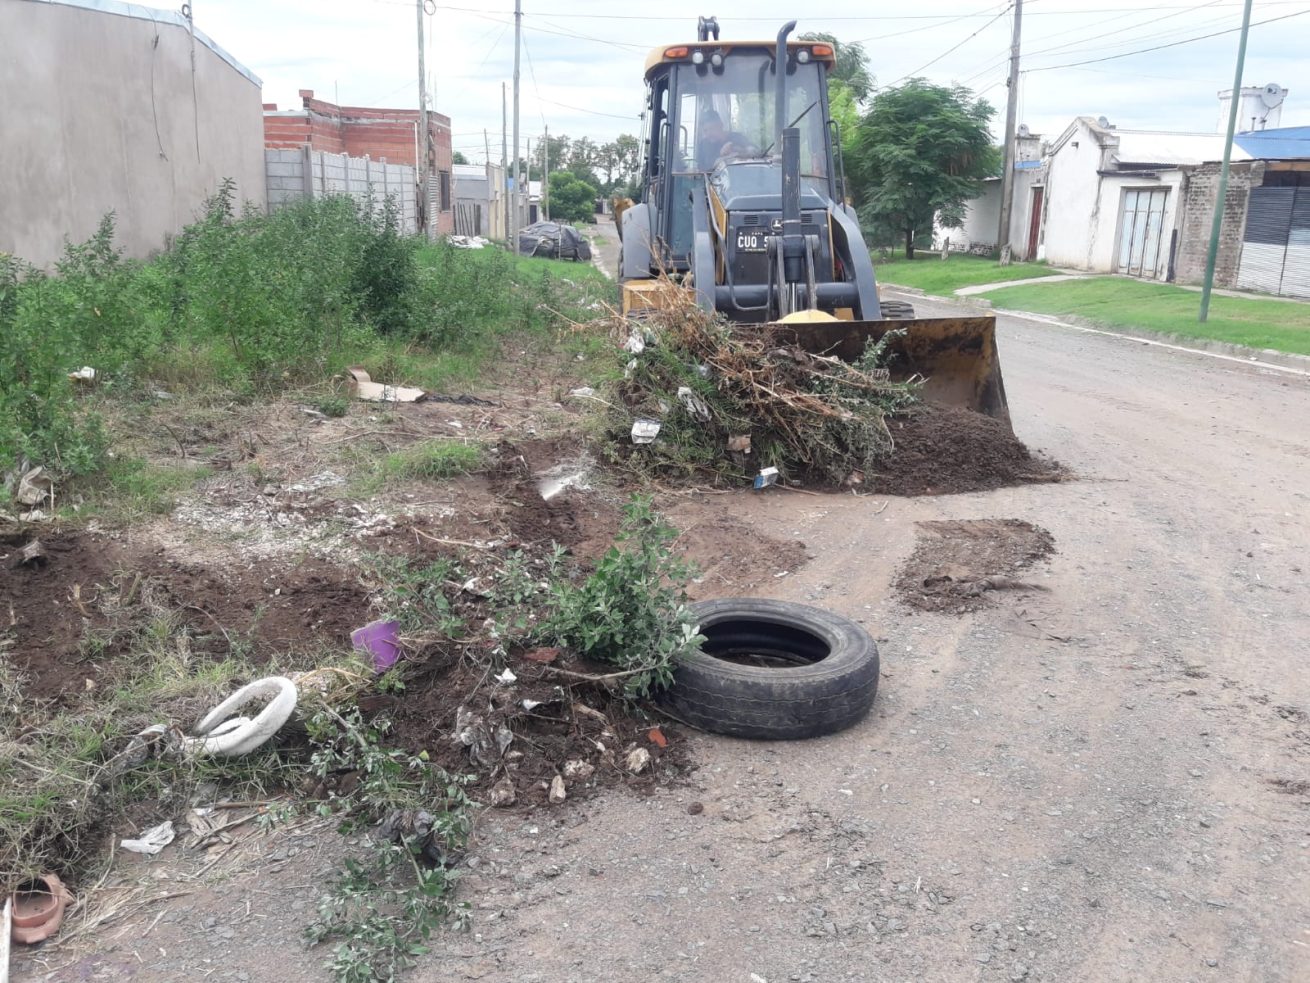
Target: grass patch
933, 275
431, 460
132, 488
1118, 302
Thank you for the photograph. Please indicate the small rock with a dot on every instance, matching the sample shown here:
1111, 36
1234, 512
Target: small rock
986, 957
557, 793
638, 760
502, 794
695, 809
579, 769
1212, 963
1196, 773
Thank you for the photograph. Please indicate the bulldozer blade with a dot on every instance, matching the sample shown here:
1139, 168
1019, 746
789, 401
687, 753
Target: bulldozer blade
956, 356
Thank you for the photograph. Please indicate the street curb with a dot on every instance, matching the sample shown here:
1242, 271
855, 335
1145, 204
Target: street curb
1299, 364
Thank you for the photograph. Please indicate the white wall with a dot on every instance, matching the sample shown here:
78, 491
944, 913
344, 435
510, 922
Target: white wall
1074, 201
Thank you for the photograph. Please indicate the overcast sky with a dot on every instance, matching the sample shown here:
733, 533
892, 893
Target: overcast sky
582, 60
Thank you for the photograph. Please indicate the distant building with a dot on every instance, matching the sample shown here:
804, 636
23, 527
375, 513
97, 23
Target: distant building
117, 107
390, 135
1141, 202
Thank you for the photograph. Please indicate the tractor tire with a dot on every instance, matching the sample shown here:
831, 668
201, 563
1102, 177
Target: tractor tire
773, 670
896, 310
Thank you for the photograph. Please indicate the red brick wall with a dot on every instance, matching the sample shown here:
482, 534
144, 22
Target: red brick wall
362, 131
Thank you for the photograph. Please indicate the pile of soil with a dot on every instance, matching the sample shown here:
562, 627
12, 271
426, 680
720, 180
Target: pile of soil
957, 564
947, 450
580, 732
51, 606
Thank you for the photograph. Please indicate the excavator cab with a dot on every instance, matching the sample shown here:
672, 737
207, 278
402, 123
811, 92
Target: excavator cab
744, 203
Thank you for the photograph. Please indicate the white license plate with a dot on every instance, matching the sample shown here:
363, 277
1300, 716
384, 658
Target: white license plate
750, 242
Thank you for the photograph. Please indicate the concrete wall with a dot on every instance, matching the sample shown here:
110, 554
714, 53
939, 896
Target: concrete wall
98, 116
1199, 193
305, 173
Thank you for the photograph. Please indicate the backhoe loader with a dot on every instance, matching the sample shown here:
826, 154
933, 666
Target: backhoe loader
744, 203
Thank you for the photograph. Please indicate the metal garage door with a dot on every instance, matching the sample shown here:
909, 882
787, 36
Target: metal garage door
1264, 244
1296, 264
1139, 231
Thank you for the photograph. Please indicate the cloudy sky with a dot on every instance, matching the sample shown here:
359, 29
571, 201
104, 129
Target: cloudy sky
581, 62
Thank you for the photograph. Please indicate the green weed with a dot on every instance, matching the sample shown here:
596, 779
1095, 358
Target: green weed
631, 612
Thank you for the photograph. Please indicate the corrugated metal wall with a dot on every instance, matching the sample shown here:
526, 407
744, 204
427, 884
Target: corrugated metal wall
1276, 244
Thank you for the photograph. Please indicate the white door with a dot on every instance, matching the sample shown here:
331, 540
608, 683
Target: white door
1140, 229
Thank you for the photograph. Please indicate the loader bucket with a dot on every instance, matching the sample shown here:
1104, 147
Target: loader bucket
956, 356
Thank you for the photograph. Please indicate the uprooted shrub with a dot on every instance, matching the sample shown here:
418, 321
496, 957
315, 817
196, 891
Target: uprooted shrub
732, 399
631, 612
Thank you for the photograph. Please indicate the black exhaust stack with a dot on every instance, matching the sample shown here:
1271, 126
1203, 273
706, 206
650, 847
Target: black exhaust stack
791, 243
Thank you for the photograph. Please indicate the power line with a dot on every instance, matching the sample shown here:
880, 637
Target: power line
562, 15
928, 27
948, 50
1161, 47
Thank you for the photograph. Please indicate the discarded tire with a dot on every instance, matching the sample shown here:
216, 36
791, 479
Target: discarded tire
774, 670
896, 309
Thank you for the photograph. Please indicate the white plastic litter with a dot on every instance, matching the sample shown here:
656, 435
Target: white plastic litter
152, 840
695, 405
766, 477
507, 677
84, 374
223, 735
635, 343
644, 431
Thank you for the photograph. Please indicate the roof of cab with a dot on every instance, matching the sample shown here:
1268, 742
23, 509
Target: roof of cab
657, 58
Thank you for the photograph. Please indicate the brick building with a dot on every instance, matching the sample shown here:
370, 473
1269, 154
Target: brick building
380, 134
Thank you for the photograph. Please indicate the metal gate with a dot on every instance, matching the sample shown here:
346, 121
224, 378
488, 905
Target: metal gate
1276, 243
1139, 231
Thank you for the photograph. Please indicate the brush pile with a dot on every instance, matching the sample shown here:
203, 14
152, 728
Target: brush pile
732, 399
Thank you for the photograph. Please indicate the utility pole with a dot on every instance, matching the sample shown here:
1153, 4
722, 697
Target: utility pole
423, 126
545, 174
518, 32
504, 169
1217, 223
1011, 111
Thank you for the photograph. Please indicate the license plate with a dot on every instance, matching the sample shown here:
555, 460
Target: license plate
750, 242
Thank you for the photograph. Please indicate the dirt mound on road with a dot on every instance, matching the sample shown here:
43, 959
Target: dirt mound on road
957, 563
948, 450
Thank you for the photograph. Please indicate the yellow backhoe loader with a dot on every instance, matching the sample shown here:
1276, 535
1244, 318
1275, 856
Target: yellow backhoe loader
744, 203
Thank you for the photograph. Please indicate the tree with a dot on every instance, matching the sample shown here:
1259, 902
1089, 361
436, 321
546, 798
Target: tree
921, 150
851, 68
458, 158
569, 198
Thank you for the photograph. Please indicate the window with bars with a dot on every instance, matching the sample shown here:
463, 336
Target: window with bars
445, 190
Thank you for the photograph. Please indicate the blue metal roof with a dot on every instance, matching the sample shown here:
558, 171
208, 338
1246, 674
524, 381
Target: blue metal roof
1287, 143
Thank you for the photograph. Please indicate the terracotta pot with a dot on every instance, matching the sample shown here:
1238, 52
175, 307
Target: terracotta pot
38, 909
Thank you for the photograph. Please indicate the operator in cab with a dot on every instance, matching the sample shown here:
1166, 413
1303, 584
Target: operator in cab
719, 143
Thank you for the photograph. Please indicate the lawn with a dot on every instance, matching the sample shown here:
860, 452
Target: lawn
933, 275
1117, 302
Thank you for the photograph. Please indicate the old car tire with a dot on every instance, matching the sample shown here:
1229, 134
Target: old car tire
896, 310
774, 670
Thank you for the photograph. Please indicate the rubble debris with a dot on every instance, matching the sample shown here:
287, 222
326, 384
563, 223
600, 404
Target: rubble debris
502, 794
30, 555
637, 760
579, 769
38, 909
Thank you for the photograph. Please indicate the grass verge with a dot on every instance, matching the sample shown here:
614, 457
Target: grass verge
1117, 302
933, 275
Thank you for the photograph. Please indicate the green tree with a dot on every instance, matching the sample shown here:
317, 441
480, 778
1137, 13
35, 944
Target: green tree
570, 199
851, 68
458, 158
921, 150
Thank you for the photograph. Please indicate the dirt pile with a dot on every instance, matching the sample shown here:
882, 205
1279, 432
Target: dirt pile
58, 621
518, 736
947, 450
956, 564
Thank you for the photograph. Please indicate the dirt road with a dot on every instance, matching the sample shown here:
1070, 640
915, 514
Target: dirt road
1109, 780
1103, 782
